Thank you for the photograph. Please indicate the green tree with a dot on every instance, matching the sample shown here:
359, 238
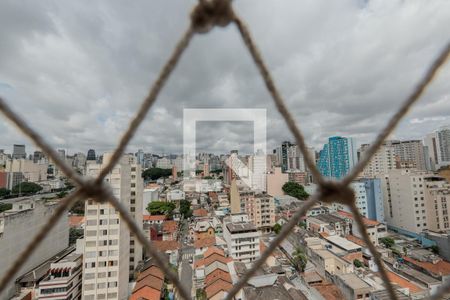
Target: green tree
78, 208
4, 192
208, 177
156, 173
75, 234
357, 263
161, 208
295, 190
388, 242
185, 208
200, 294
61, 194
276, 228
5, 206
300, 259
26, 188
434, 249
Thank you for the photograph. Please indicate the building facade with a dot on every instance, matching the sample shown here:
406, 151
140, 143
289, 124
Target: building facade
337, 157
242, 238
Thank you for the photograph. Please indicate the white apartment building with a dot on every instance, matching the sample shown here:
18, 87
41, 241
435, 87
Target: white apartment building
404, 199
438, 148
437, 203
136, 209
21, 223
382, 161
260, 209
108, 245
164, 163
63, 280
258, 166
242, 238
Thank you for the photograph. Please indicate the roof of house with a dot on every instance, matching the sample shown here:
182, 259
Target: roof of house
146, 293
76, 221
366, 221
166, 245
329, 291
216, 275
355, 240
206, 242
216, 257
152, 270
213, 249
440, 268
170, 226
217, 286
154, 218
201, 212
149, 284
214, 266
404, 283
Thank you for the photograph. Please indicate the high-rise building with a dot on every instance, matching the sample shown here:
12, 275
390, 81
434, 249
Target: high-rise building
140, 157
375, 199
359, 189
242, 238
275, 182
260, 209
438, 145
235, 200
381, 162
410, 153
37, 156
258, 166
404, 193
19, 152
437, 203
91, 155
110, 253
337, 157
62, 154
284, 155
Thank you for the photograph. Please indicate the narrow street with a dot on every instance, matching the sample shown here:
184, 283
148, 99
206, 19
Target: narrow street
187, 252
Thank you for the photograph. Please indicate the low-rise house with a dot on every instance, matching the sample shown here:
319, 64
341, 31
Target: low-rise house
149, 284
154, 219
170, 230
328, 223
353, 287
375, 229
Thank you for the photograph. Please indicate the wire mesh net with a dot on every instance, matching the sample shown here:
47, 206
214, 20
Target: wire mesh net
205, 16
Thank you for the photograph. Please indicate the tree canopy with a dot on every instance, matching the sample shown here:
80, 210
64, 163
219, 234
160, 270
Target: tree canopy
276, 228
185, 208
161, 208
4, 192
5, 206
300, 259
295, 190
388, 242
26, 188
156, 173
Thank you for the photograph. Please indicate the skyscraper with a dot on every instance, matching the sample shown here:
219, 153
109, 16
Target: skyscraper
19, 152
91, 155
438, 144
337, 157
110, 253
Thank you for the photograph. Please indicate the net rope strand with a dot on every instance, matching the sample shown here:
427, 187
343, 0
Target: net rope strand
206, 15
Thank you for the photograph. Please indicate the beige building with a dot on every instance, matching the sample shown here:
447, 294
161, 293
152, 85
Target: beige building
404, 193
382, 161
110, 253
437, 199
409, 153
31, 171
275, 182
260, 208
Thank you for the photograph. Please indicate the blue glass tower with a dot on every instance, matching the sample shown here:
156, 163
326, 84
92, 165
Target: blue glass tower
337, 157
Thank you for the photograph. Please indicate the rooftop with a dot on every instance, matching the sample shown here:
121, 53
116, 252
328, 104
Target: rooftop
403, 282
343, 243
328, 218
366, 221
353, 281
441, 268
241, 227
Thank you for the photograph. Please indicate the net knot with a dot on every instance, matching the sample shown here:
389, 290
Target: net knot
210, 13
332, 191
96, 191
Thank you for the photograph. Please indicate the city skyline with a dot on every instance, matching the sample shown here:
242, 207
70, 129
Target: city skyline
87, 72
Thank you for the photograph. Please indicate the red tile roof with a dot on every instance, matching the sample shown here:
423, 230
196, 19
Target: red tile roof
170, 226
216, 257
76, 221
404, 283
149, 284
356, 240
166, 245
441, 268
217, 274
206, 242
217, 286
152, 270
201, 212
212, 250
146, 293
154, 218
366, 221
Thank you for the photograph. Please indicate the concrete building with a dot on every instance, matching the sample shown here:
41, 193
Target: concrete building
19, 152
360, 196
260, 208
337, 157
404, 199
410, 153
242, 238
150, 194
30, 171
235, 200
353, 287
437, 203
136, 209
258, 167
63, 280
107, 251
20, 223
164, 163
438, 144
375, 199
275, 182
382, 161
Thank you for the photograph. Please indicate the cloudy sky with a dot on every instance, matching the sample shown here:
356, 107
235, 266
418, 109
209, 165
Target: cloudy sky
78, 70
